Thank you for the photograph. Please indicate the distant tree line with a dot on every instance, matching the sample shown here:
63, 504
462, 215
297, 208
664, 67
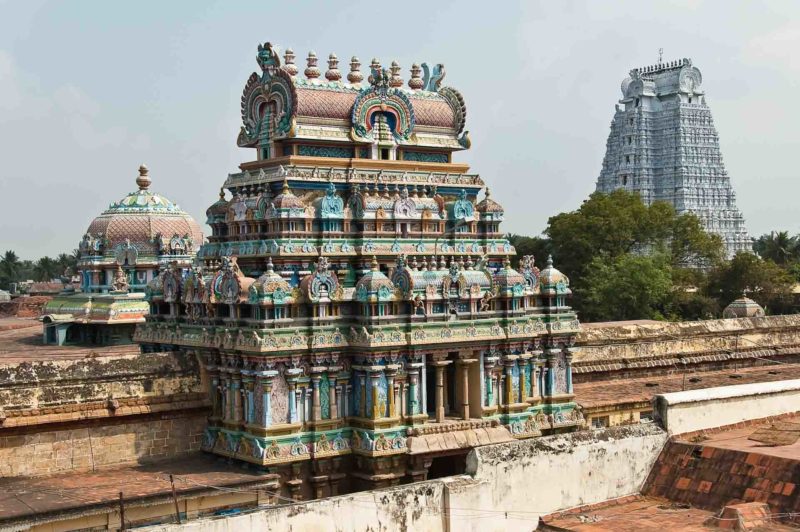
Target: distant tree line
14, 270
627, 260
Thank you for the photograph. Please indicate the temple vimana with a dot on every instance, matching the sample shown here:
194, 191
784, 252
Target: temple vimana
663, 144
356, 298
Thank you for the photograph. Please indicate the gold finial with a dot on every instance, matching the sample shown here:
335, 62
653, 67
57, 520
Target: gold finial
374, 264
144, 178
222, 194
285, 189
660, 55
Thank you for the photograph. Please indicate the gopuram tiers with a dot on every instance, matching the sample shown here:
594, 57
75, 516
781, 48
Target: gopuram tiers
355, 306
664, 146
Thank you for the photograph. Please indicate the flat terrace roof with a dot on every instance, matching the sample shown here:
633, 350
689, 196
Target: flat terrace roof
21, 341
609, 393
45, 498
736, 439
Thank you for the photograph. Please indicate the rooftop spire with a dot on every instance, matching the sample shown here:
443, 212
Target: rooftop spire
144, 178
355, 75
333, 73
415, 82
311, 70
288, 60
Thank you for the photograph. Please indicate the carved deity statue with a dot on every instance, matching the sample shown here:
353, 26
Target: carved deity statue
120, 283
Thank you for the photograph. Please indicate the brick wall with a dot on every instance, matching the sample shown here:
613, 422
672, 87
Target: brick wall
97, 444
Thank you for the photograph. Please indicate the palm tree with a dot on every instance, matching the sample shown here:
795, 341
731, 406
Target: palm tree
777, 246
9, 268
45, 269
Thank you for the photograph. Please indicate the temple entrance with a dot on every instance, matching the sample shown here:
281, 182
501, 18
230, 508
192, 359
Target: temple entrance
448, 465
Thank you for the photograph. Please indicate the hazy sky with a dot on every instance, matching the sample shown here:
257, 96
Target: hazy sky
89, 90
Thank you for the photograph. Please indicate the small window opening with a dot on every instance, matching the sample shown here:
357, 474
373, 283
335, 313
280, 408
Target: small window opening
385, 154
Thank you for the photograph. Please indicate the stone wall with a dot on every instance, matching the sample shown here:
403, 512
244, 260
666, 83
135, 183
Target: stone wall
41, 387
695, 410
94, 445
639, 347
79, 409
509, 487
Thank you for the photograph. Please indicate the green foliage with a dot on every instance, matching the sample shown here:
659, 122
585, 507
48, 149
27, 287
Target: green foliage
630, 286
778, 247
14, 270
612, 230
611, 225
525, 245
763, 280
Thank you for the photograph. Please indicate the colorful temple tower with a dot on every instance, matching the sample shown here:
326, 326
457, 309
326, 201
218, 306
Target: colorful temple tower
355, 306
123, 249
664, 145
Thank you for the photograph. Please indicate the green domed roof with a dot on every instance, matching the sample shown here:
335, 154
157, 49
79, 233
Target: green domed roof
143, 200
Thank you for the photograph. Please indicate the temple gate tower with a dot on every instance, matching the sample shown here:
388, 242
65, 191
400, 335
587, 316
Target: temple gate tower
355, 308
663, 145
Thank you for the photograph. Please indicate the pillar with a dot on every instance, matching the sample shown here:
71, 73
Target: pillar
413, 401
376, 412
464, 390
215, 399
390, 394
489, 384
237, 400
523, 388
363, 392
332, 399
568, 367
440, 393
550, 383
316, 406
266, 403
292, 402
509, 386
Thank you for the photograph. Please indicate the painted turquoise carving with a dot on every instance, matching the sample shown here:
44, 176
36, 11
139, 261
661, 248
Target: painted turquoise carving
332, 206
425, 157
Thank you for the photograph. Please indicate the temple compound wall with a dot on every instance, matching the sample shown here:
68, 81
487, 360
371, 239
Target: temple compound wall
694, 410
497, 493
86, 410
625, 349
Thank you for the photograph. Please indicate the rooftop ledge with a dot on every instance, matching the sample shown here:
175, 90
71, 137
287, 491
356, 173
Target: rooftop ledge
368, 171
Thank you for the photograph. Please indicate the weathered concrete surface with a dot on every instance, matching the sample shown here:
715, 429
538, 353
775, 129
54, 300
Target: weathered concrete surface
509, 487
413, 507
530, 478
615, 346
694, 410
38, 384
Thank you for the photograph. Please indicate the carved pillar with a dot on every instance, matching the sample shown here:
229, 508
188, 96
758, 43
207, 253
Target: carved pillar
266, 402
440, 393
523, 387
293, 418
413, 400
248, 394
214, 393
363, 394
550, 383
374, 384
332, 399
464, 366
237, 399
316, 407
509, 385
568, 352
390, 393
